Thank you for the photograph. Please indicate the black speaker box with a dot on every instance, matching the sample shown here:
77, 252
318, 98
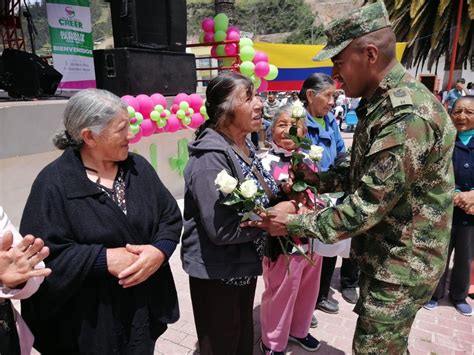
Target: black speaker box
140, 71
26, 74
149, 24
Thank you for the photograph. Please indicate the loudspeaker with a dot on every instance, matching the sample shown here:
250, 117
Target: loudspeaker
149, 24
133, 71
26, 74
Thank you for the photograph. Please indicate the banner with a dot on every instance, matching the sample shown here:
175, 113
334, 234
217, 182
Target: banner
295, 63
70, 31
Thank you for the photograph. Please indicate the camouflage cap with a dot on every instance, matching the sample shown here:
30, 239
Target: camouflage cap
342, 31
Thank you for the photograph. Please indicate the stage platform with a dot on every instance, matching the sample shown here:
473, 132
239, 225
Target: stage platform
26, 131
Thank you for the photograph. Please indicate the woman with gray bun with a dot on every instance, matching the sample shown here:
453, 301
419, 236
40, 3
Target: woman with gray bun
111, 226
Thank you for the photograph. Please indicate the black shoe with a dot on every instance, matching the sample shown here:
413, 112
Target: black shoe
267, 351
327, 306
309, 343
314, 322
350, 295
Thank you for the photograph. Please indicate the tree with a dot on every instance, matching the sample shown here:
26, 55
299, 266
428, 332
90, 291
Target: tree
428, 26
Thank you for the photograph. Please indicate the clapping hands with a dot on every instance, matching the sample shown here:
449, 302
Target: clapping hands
17, 263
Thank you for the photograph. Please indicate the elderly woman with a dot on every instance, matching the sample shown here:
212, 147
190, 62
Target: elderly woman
111, 225
317, 95
222, 259
462, 233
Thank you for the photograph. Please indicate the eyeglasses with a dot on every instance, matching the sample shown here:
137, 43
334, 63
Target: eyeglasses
459, 111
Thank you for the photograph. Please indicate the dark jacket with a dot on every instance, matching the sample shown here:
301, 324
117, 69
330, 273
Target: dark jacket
214, 246
81, 309
463, 162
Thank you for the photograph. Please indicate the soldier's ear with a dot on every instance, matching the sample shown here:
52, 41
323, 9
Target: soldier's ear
372, 53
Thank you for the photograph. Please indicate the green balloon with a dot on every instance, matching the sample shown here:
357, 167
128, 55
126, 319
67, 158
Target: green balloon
219, 36
273, 73
203, 110
220, 50
201, 39
183, 105
247, 53
161, 123
131, 111
191, 111
186, 120
135, 128
247, 68
159, 108
167, 113
221, 22
154, 115
227, 62
245, 42
139, 118
180, 114
256, 81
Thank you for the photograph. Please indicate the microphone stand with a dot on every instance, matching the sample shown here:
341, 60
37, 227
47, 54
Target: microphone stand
32, 31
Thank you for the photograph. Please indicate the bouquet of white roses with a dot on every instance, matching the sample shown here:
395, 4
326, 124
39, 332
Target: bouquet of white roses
241, 196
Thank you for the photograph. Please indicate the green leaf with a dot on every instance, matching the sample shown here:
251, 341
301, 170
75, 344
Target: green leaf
296, 155
231, 199
299, 186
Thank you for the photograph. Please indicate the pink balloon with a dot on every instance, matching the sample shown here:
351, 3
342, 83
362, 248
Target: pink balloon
173, 124
146, 105
214, 51
136, 137
207, 25
196, 120
209, 37
231, 49
195, 102
233, 29
131, 101
159, 130
180, 98
147, 127
233, 36
158, 99
263, 86
260, 57
262, 69
174, 108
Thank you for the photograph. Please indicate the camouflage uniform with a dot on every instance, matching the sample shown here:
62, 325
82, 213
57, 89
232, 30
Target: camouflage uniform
399, 207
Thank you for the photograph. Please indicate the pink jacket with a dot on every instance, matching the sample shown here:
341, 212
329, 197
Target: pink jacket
31, 286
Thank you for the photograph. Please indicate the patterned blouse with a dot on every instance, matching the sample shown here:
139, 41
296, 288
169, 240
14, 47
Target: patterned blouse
263, 200
117, 192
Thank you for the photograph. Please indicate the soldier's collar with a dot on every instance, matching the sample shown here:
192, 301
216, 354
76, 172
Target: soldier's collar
390, 81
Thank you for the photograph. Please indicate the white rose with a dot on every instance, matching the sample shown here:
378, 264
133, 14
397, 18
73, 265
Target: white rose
316, 153
225, 183
248, 189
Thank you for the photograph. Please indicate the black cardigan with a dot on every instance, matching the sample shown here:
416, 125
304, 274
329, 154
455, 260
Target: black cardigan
79, 309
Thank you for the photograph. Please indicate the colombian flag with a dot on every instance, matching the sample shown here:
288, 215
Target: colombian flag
295, 64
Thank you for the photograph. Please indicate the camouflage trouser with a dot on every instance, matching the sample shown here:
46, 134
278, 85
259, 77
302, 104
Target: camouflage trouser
386, 313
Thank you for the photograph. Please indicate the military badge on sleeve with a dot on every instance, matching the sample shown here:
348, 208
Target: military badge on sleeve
386, 167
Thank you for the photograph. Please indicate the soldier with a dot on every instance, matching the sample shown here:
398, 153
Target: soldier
400, 183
